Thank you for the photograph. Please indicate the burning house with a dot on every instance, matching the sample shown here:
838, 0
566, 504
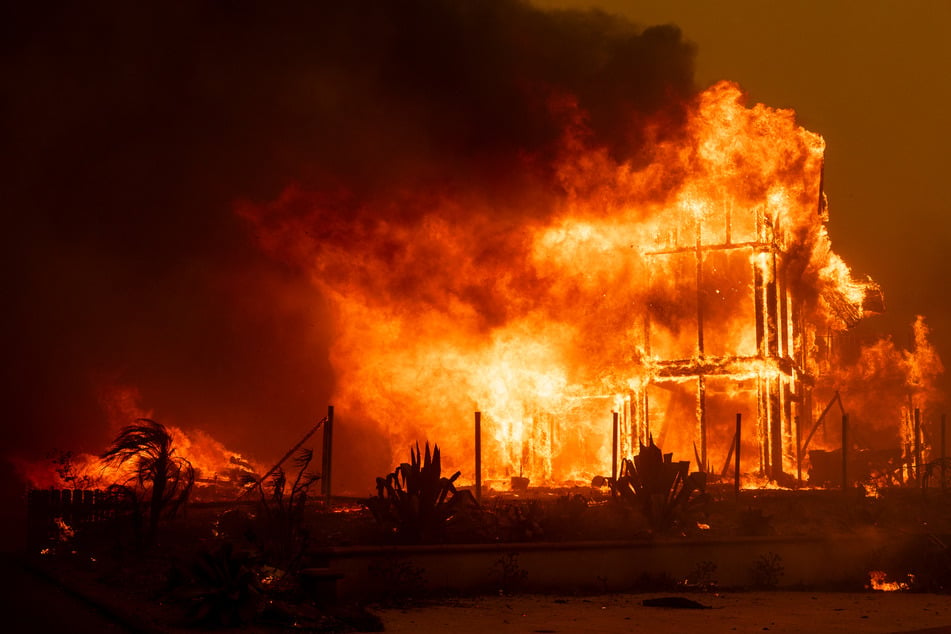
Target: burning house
755, 310
673, 290
742, 298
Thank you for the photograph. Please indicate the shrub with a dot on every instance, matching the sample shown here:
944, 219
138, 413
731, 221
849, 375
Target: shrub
415, 502
662, 490
218, 588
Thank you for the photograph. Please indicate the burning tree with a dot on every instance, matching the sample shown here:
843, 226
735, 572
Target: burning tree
165, 478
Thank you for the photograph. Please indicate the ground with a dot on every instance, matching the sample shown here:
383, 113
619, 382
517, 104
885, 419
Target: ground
792, 612
81, 593
42, 605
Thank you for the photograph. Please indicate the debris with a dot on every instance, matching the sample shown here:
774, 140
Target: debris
681, 603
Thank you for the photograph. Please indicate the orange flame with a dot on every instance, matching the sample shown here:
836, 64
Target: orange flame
677, 288
877, 581
211, 459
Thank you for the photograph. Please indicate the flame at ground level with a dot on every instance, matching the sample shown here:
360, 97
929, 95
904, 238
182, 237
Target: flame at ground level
213, 462
877, 581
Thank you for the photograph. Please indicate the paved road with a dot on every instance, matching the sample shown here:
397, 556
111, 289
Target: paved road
33, 604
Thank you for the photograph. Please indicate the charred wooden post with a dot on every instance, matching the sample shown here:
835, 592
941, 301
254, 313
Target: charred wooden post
944, 453
702, 421
798, 453
478, 456
736, 455
775, 428
701, 383
845, 452
788, 422
327, 462
917, 441
615, 438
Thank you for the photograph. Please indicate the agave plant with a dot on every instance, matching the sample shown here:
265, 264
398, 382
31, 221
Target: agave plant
218, 589
415, 502
165, 478
662, 490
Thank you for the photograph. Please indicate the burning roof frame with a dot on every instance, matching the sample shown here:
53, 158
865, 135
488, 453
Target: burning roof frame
784, 386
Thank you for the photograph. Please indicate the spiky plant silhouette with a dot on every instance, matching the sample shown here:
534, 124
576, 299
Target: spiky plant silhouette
662, 490
165, 479
415, 502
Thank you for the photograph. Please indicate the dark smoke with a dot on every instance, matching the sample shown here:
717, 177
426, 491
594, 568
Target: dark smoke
131, 130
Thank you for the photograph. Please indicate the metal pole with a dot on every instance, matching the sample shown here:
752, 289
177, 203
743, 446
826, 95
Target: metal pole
845, 452
736, 455
478, 456
614, 447
944, 452
798, 452
290, 452
835, 399
918, 444
328, 452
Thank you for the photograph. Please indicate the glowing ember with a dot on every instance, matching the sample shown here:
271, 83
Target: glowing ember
64, 531
877, 582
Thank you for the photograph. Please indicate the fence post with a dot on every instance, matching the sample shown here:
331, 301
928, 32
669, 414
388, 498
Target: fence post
615, 438
328, 453
918, 445
845, 452
944, 453
478, 456
736, 472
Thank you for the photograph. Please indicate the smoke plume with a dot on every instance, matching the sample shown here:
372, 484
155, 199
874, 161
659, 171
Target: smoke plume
134, 132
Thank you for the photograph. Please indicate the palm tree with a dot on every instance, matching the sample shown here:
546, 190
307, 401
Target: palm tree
167, 478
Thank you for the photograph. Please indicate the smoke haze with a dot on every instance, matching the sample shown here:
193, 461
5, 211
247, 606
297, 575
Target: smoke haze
133, 134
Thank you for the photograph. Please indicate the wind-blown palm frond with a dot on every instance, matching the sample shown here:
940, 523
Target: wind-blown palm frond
147, 446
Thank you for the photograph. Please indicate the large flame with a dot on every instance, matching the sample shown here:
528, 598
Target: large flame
677, 287
210, 458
